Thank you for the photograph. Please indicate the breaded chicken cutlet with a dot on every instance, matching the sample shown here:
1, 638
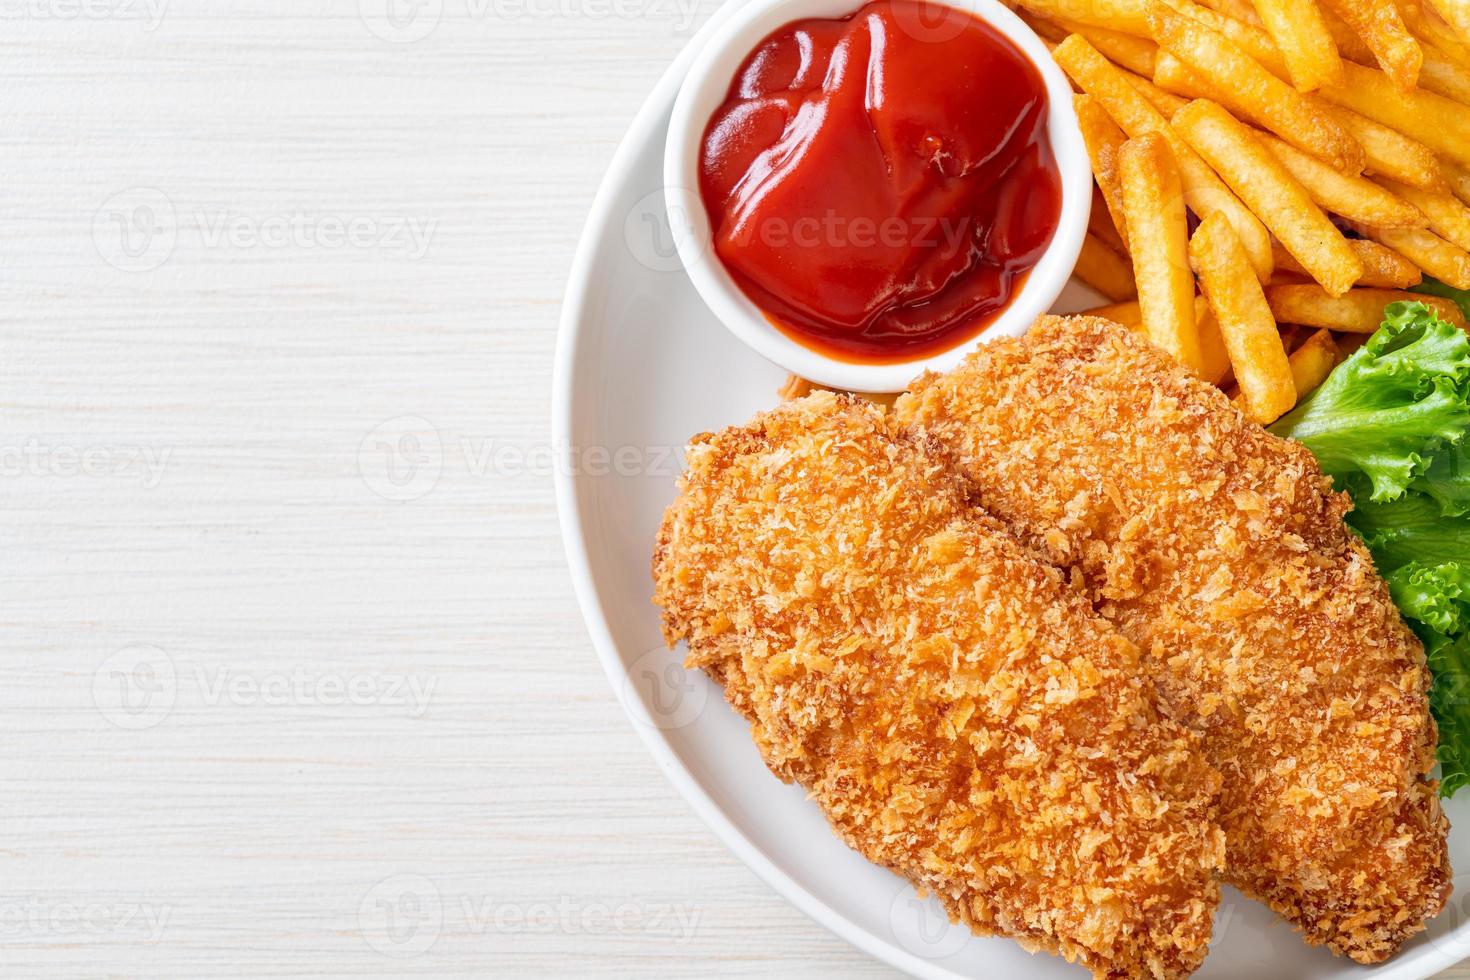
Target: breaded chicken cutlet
1221, 551
959, 714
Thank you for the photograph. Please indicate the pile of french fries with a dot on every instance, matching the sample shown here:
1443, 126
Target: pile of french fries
1321, 147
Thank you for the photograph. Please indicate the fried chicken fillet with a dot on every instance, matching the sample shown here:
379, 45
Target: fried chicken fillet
960, 716
1221, 551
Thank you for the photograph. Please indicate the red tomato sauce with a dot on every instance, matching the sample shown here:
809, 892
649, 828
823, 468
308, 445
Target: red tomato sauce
880, 185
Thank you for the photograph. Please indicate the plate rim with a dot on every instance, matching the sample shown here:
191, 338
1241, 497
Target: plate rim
1431, 959
658, 102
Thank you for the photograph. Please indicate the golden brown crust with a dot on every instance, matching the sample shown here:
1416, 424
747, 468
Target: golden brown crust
1221, 551
958, 712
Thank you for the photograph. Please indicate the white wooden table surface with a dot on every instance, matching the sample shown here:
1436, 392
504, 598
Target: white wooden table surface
294, 682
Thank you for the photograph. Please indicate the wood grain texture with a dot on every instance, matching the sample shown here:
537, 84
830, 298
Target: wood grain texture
294, 680
196, 352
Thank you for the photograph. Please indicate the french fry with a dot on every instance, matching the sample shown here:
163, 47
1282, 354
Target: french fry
1448, 217
1312, 362
1130, 16
1440, 72
798, 387
1232, 392
1439, 123
1357, 311
1105, 271
1348, 344
1457, 179
1166, 102
1440, 75
1443, 73
1212, 350
1256, 353
1134, 53
1047, 29
1388, 152
1446, 83
1241, 10
1443, 260
1248, 32
1378, 23
1241, 82
1352, 47
1124, 314
795, 387
1456, 12
1100, 224
1269, 189
1258, 43
1443, 76
1204, 192
1158, 241
1392, 154
1212, 344
1103, 139
1355, 198
1446, 309
1301, 35
1110, 86
1177, 78
1383, 267
1431, 28
1283, 278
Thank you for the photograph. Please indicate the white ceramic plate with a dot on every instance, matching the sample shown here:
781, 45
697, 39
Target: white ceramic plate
641, 366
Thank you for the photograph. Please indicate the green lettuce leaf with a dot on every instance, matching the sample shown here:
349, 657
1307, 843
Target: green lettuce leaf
1389, 425
1449, 698
1391, 405
1408, 530
1446, 478
1435, 600
1437, 596
1433, 287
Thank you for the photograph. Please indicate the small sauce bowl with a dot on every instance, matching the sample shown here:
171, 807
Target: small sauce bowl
705, 89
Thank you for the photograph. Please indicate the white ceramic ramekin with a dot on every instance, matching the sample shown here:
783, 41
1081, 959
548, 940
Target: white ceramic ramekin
705, 89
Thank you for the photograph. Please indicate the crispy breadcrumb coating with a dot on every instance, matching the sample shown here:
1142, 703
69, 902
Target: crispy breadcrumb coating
959, 714
1221, 550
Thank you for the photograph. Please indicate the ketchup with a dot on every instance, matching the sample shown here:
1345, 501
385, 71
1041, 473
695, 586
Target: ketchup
880, 185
